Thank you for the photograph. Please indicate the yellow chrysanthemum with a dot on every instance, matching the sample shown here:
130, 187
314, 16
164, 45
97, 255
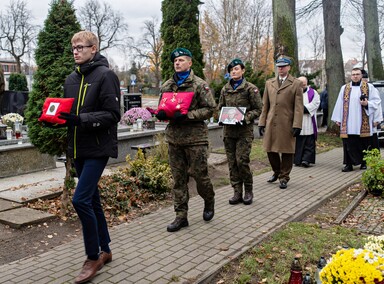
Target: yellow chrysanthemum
354, 266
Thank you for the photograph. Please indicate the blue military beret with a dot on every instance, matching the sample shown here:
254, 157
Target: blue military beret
283, 61
235, 62
180, 52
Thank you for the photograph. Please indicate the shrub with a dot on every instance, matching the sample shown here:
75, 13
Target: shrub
153, 173
373, 177
120, 193
18, 82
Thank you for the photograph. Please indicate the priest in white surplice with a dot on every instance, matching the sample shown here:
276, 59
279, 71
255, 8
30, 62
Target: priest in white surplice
305, 150
353, 112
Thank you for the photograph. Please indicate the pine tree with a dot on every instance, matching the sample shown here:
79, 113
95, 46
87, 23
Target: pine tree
180, 28
18, 82
55, 62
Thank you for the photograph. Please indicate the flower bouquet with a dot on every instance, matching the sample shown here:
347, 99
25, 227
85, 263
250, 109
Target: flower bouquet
10, 118
354, 266
376, 244
130, 116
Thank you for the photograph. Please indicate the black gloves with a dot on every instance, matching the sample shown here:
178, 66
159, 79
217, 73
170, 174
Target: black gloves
363, 97
161, 115
71, 119
179, 117
261, 130
296, 132
306, 110
241, 122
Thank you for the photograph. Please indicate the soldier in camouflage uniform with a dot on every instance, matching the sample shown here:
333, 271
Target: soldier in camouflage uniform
238, 138
187, 136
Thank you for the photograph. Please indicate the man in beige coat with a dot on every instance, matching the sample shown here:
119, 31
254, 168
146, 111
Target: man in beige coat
281, 119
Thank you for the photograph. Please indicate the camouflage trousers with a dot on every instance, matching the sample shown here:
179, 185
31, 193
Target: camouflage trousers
238, 151
186, 161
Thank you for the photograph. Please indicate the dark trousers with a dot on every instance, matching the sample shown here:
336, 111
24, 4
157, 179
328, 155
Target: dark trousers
281, 166
305, 149
86, 202
325, 118
353, 148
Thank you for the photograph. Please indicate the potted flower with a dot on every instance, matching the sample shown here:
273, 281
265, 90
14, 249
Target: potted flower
373, 177
10, 118
132, 115
354, 266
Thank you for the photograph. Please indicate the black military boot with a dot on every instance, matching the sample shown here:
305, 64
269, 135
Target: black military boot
177, 224
248, 196
237, 197
209, 209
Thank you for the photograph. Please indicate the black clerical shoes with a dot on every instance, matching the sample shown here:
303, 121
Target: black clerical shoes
305, 164
273, 178
283, 184
347, 168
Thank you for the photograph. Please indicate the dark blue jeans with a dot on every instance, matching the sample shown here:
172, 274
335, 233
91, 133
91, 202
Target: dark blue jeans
86, 201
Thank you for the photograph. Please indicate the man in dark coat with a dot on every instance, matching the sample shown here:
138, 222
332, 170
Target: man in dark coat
281, 119
92, 139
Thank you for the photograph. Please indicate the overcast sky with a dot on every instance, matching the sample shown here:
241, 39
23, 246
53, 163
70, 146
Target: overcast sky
136, 12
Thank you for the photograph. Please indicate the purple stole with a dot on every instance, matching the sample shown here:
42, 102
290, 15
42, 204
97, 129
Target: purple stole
311, 94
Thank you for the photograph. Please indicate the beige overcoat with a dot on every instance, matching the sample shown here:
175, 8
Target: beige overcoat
283, 110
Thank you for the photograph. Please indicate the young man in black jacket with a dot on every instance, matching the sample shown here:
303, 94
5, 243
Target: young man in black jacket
92, 139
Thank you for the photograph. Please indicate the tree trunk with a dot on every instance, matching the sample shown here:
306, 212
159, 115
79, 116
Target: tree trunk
372, 40
333, 55
284, 31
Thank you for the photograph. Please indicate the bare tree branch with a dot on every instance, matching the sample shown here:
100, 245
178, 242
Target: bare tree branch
16, 31
310, 9
150, 47
108, 25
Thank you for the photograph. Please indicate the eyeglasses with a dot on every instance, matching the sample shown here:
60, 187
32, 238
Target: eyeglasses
79, 48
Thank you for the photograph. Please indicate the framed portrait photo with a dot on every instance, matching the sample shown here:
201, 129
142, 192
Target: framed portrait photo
231, 115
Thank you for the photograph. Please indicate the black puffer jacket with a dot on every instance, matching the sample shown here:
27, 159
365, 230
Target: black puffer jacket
97, 101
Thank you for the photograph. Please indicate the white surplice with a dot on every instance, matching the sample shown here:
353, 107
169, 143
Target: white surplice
354, 110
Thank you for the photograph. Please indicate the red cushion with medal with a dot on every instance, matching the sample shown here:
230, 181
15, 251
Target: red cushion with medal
171, 102
52, 108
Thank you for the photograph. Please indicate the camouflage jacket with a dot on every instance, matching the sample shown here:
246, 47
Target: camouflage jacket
246, 95
193, 130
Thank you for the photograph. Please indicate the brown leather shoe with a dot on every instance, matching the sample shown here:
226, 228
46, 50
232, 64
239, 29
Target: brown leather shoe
105, 258
89, 270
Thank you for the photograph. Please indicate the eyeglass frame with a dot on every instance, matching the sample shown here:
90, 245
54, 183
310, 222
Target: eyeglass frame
80, 48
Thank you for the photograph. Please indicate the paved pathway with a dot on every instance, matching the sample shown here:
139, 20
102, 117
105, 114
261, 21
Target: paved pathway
144, 252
